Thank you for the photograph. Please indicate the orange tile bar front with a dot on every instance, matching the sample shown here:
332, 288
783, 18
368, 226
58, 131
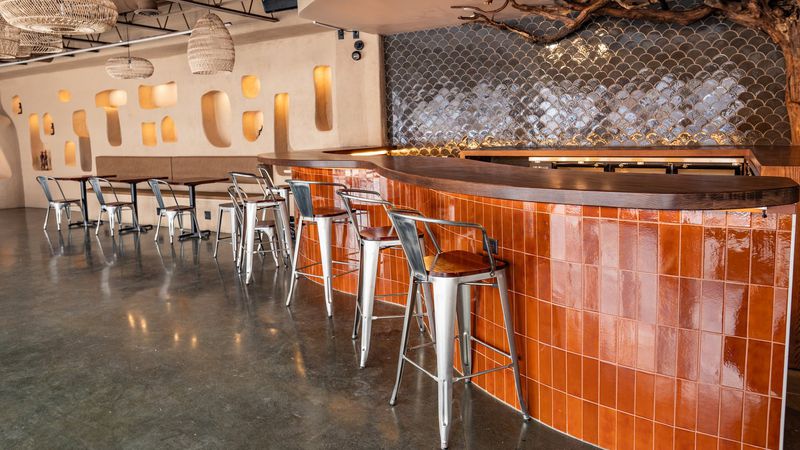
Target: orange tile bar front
636, 328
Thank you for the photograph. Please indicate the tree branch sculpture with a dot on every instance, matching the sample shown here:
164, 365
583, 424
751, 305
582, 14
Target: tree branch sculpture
780, 19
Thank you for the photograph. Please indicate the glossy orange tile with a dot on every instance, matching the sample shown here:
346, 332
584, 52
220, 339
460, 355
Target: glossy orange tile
730, 417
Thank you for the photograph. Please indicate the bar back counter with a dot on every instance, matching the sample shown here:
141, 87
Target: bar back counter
649, 309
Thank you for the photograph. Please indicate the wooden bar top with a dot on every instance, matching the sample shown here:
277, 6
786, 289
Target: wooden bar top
622, 190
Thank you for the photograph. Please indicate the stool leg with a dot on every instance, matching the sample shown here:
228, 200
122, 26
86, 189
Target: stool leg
502, 286
357, 314
325, 230
235, 236
429, 308
219, 229
369, 268
171, 225
293, 280
410, 300
270, 232
99, 218
112, 215
58, 217
158, 226
445, 290
464, 312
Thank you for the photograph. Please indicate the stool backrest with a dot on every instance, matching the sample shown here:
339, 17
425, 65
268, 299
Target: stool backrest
301, 190
405, 222
351, 198
238, 198
242, 178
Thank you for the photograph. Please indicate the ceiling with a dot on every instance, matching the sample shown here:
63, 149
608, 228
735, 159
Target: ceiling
390, 17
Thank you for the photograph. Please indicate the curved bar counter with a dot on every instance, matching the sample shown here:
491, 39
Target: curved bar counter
650, 310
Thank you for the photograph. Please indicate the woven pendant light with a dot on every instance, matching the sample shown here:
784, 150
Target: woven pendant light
23, 52
211, 48
41, 43
60, 16
129, 68
9, 40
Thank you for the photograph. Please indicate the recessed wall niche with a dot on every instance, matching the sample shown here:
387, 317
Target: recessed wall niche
49, 126
37, 146
79, 126
169, 134
16, 105
281, 123
110, 100
323, 106
64, 96
70, 154
252, 125
251, 86
158, 96
216, 109
149, 138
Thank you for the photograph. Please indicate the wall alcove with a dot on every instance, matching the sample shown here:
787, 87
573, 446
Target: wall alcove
37, 146
149, 134
70, 154
252, 125
323, 101
16, 105
169, 133
81, 129
158, 96
251, 86
110, 100
216, 109
281, 123
48, 125
64, 96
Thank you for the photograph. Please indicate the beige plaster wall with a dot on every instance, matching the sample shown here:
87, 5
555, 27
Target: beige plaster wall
11, 195
283, 65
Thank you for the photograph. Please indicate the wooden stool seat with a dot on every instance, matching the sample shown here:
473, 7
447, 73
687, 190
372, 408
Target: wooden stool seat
460, 263
327, 211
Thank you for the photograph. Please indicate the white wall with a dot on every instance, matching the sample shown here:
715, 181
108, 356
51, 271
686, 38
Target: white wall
11, 195
283, 65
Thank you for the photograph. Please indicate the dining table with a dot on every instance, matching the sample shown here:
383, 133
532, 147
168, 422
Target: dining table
83, 179
191, 184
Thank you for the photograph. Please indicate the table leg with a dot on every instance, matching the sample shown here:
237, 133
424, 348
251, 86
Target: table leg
196, 232
249, 236
135, 212
192, 203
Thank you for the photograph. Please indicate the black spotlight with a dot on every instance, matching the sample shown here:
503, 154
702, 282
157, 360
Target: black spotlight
358, 45
356, 55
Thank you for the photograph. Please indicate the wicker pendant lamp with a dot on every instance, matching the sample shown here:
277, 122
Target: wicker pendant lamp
60, 16
41, 43
129, 67
9, 40
211, 48
23, 52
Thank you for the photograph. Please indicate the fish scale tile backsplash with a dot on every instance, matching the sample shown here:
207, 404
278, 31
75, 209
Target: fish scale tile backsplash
616, 82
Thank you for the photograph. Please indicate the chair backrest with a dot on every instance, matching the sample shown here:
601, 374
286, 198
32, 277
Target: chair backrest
405, 224
352, 198
240, 179
44, 182
271, 192
97, 187
238, 198
301, 190
155, 186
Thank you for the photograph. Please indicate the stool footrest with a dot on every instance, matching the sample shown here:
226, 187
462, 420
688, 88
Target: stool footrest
482, 372
478, 341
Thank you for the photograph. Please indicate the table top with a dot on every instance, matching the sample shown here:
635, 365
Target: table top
197, 181
83, 177
134, 179
621, 190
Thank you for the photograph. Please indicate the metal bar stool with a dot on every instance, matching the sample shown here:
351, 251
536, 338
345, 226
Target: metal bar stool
239, 199
323, 217
229, 208
371, 240
452, 274
276, 192
270, 202
170, 212
60, 205
112, 209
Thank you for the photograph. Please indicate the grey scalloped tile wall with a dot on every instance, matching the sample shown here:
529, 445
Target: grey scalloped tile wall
616, 82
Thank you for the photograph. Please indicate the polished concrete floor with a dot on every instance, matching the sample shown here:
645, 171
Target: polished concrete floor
122, 343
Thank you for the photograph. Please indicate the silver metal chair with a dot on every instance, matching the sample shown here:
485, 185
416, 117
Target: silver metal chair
371, 241
60, 205
112, 209
323, 217
229, 208
279, 192
268, 227
171, 212
452, 274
